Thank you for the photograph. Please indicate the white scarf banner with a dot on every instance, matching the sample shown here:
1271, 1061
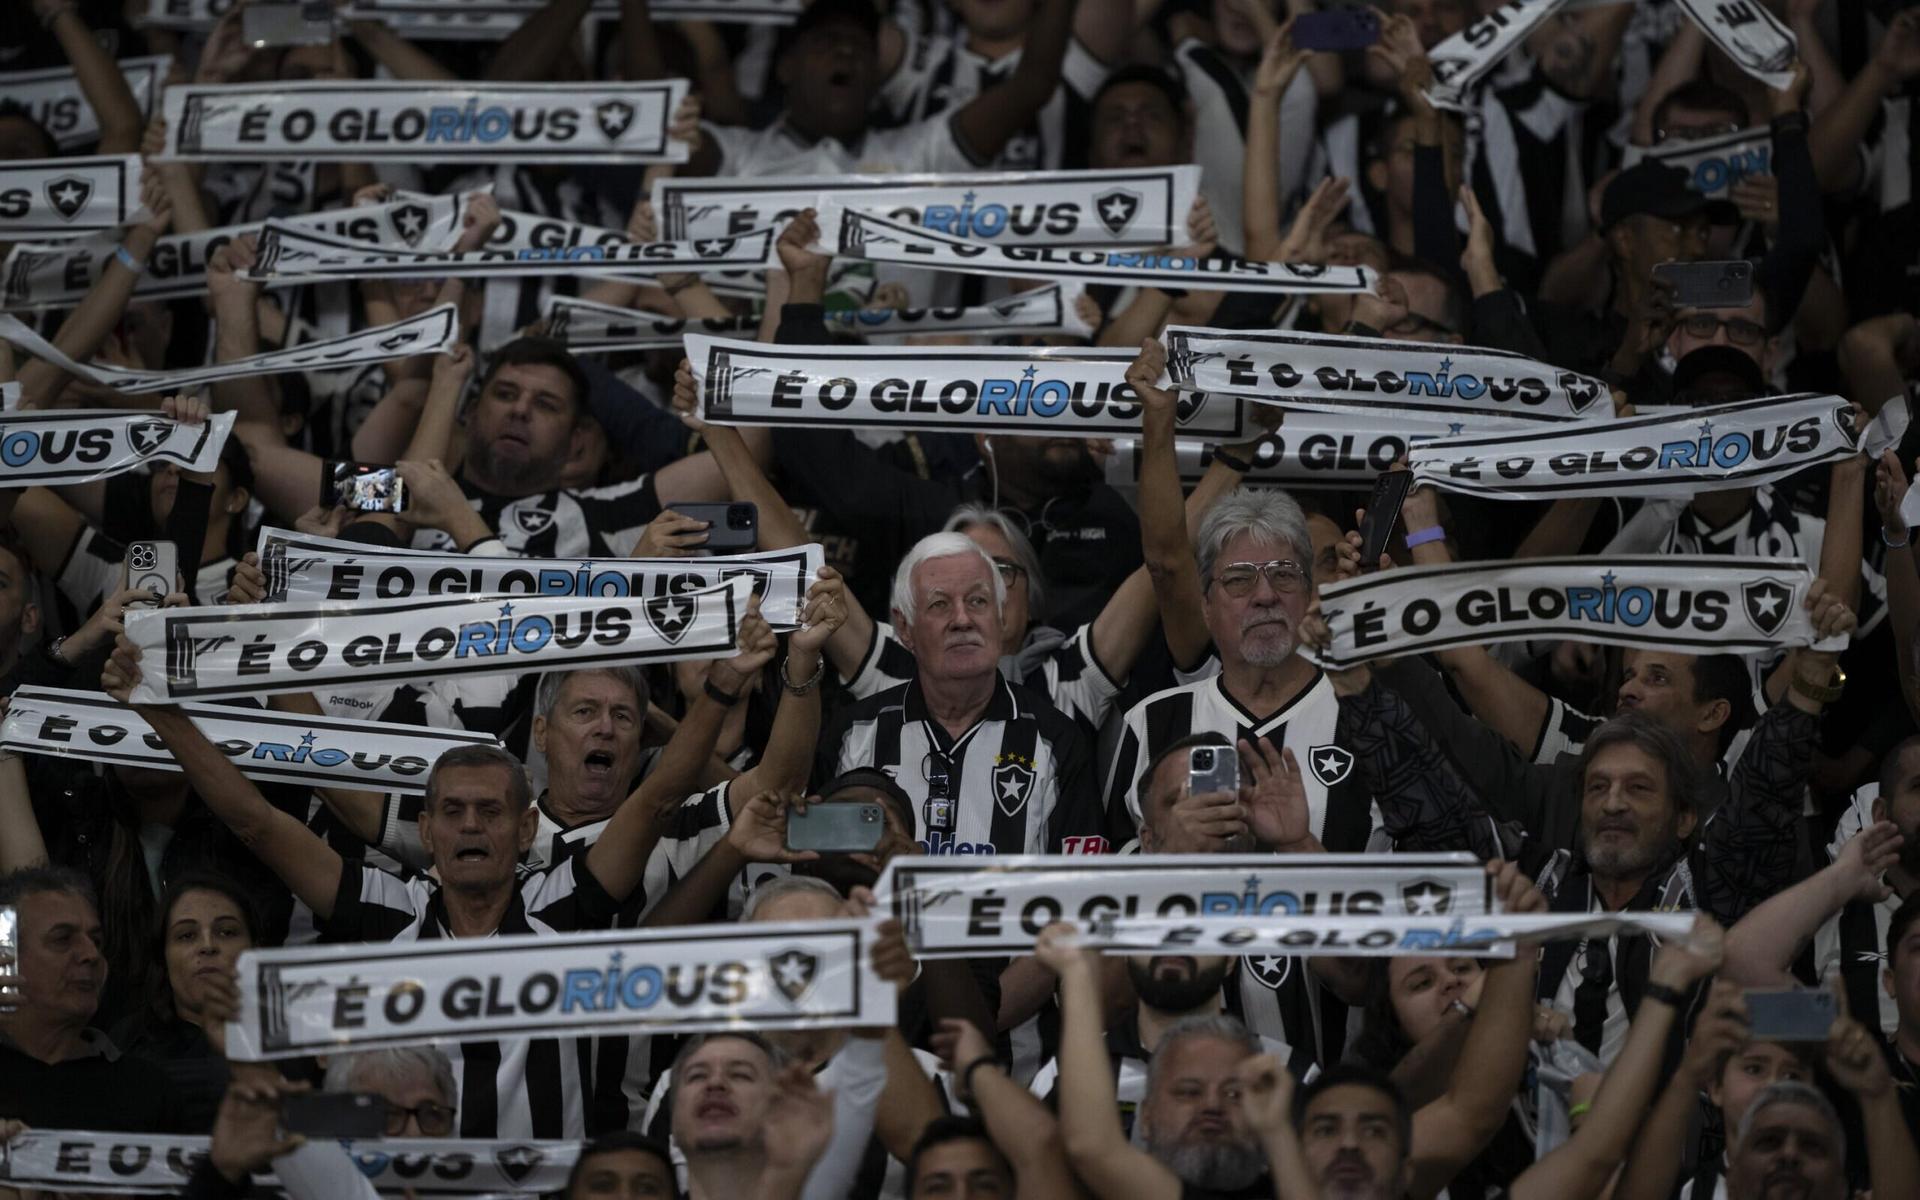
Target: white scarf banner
1423, 379
54, 99
67, 197
71, 1160
60, 276
775, 975
9, 396
1012, 208
258, 649
493, 20
1461, 59
1713, 165
289, 250
1720, 446
56, 447
432, 332
270, 746
1748, 34
587, 326
953, 909
876, 239
1489, 935
1033, 390
361, 120
302, 568
1695, 604
1311, 449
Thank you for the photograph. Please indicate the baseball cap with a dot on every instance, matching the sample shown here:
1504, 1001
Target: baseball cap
1706, 362
1651, 188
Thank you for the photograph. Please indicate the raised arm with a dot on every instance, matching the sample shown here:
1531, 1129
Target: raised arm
1902, 573
1164, 539
1652, 1167
788, 756
101, 83
1016, 1120
1839, 128
529, 53
301, 858
983, 126
1763, 945
20, 842
1854, 1059
1260, 180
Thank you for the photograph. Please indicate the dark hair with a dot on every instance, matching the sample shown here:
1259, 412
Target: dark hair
1353, 1074
1168, 86
11, 544
16, 886
1208, 738
1703, 94
776, 1057
233, 456
1890, 765
1725, 677
613, 1143
1905, 915
1381, 1042
1659, 743
939, 1132
49, 145
160, 999
542, 352
879, 781
520, 792
1457, 310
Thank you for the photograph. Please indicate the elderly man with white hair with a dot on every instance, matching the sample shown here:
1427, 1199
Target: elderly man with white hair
992, 766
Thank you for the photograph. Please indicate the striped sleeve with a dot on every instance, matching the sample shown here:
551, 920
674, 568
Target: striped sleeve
373, 906
1076, 682
887, 664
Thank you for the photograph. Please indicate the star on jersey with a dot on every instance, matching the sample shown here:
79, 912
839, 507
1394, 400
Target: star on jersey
1012, 784
1270, 970
1330, 764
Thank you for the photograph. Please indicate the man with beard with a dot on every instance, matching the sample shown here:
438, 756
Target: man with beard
1792, 1146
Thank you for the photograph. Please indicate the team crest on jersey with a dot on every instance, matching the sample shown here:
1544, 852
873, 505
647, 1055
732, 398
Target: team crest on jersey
411, 221
1013, 778
793, 973
670, 616
1330, 763
69, 195
1117, 208
518, 1162
614, 116
533, 521
1269, 970
1426, 898
149, 435
1768, 601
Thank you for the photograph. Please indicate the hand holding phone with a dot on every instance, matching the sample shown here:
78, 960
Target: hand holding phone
1336, 29
1213, 769
351, 1115
730, 527
1791, 1014
1727, 284
836, 828
305, 23
152, 566
1383, 515
362, 487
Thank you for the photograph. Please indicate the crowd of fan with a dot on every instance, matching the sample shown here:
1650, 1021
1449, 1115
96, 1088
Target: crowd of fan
992, 597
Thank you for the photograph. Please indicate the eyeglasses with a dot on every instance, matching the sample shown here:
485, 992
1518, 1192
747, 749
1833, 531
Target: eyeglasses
1413, 323
1010, 572
1283, 575
436, 1120
1740, 331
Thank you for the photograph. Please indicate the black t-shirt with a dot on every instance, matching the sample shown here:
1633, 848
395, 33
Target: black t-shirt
101, 1089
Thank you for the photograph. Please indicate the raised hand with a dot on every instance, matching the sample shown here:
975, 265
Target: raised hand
122, 672
246, 1129
1684, 961
1059, 950
1279, 63
1865, 858
642, 226
1720, 1030
481, 219
824, 612
756, 648
228, 267
798, 1123
1143, 376
671, 535
1266, 1094
1515, 892
1889, 489
796, 240
759, 830
1306, 240
249, 582
1276, 799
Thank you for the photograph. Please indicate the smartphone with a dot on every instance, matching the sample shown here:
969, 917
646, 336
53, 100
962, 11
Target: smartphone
356, 1115
1383, 516
1336, 29
362, 487
1708, 284
1791, 1014
730, 527
153, 567
836, 828
1213, 769
309, 23
9, 954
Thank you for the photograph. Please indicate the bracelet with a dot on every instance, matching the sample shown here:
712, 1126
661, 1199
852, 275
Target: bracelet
127, 260
1221, 455
1579, 1110
719, 697
1432, 533
1821, 693
1906, 539
802, 689
1672, 997
966, 1072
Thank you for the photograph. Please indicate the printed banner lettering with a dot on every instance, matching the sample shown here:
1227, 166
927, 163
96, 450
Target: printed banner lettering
259, 649
55, 447
1336, 371
271, 746
1262, 938
1703, 449
1713, 165
950, 909
1462, 58
72, 1160
67, 197
362, 120
1009, 208
1748, 34
1706, 604
290, 250
432, 332
979, 389
789, 975
493, 20
302, 568
862, 235
62, 275
586, 326
54, 99
1311, 449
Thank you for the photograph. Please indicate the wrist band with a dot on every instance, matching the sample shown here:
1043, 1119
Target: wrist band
1672, 997
127, 260
801, 689
1580, 1110
719, 697
1432, 533
1889, 543
1221, 455
966, 1072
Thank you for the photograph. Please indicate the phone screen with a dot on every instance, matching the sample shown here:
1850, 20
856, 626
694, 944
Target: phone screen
363, 488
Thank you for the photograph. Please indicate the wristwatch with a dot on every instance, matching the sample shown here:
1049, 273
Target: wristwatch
1825, 693
53, 651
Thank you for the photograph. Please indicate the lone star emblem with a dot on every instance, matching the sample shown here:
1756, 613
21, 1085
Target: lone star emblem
532, 521
518, 1162
793, 973
1767, 603
1426, 898
1269, 970
411, 221
69, 195
1329, 764
713, 247
1116, 209
761, 577
614, 116
670, 616
1581, 391
149, 435
1012, 785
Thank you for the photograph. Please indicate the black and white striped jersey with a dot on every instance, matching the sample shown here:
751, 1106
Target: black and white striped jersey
601, 522
1220, 100
1068, 673
517, 1088
938, 75
1526, 166
1019, 782
1851, 945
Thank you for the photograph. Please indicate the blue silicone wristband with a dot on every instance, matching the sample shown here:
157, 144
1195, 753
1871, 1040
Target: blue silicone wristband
1431, 533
